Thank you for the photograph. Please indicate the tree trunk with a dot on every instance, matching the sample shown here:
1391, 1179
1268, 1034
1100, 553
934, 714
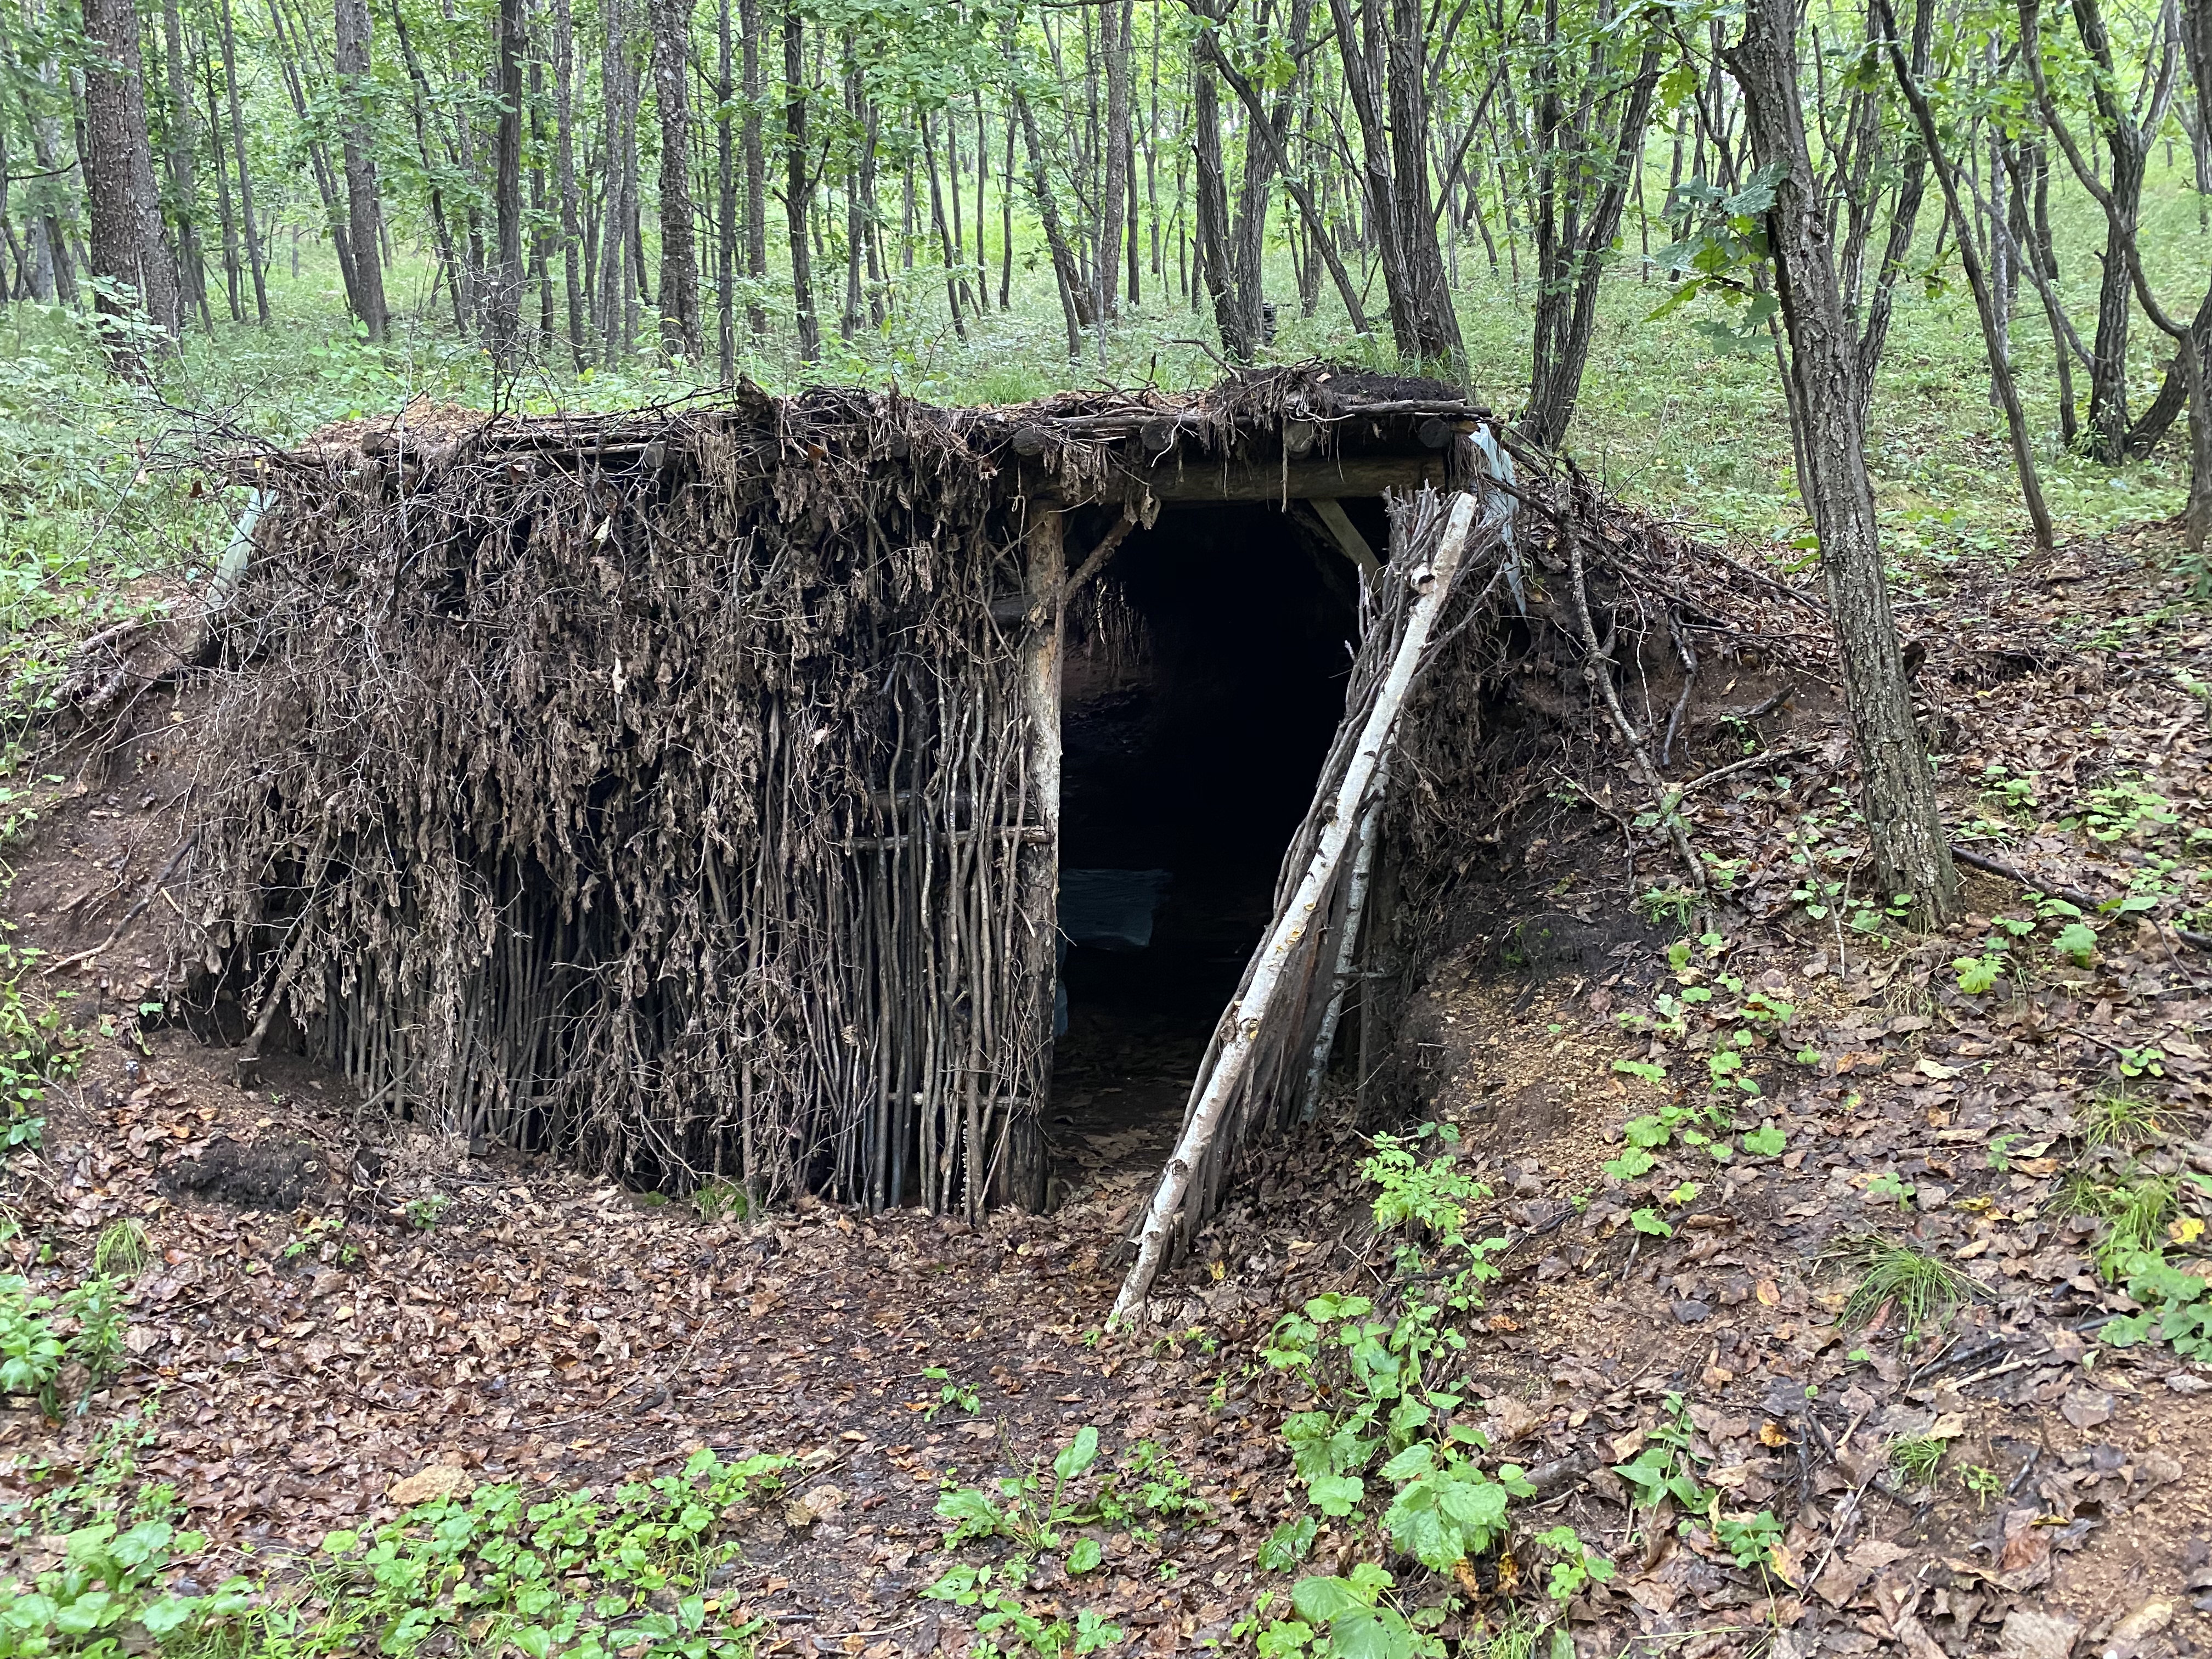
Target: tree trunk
184, 171
573, 245
506, 188
756, 160
1116, 20
1067, 271
1986, 294
245, 177
363, 214
680, 329
799, 184
1898, 796
1572, 254
121, 201
726, 203
1240, 343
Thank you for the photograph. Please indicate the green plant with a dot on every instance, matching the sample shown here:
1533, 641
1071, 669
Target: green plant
422, 1213
1574, 1566
1923, 1288
2135, 1206
1889, 1187
1352, 1617
1750, 1539
1982, 1482
122, 1251
960, 1396
1976, 974
2173, 1308
315, 1234
36, 1340
722, 1200
2115, 1117
1007, 1626
1916, 1457
1289, 1544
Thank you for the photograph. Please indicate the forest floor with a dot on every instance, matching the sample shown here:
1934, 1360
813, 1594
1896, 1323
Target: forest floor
340, 1320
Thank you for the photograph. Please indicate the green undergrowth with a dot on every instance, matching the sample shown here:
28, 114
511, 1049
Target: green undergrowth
504, 1570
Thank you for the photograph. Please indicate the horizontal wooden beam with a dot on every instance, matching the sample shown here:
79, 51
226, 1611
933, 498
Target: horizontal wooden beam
1329, 478
1326, 479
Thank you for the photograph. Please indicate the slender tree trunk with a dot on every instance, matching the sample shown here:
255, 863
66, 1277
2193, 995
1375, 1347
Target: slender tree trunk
1987, 295
1116, 20
573, 248
756, 162
1569, 268
725, 201
799, 184
295, 58
1898, 797
184, 168
1067, 271
506, 188
233, 278
363, 212
611, 77
1239, 343
681, 332
244, 176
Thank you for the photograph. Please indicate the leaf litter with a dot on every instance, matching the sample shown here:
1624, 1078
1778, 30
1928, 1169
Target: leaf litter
418, 1320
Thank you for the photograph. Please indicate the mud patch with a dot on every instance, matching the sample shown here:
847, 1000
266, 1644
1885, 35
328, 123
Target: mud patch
265, 1175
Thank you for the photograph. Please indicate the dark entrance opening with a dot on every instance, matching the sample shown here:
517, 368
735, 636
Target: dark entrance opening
1204, 679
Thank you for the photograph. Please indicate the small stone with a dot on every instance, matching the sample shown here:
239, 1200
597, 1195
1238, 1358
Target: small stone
815, 1507
2085, 1408
438, 1480
2038, 1635
2131, 1633
1691, 1313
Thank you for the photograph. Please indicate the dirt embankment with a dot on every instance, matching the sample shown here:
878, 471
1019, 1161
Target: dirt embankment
338, 1304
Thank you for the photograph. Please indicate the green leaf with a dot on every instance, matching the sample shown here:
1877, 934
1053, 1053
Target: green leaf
2077, 942
1767, 1142
1085, 1556
1336, 1495
1324, 1601
1074, 1460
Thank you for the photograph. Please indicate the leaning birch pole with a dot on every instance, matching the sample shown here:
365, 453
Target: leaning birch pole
1292, 920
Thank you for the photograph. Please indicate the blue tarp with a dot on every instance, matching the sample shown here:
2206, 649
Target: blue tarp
1110, 909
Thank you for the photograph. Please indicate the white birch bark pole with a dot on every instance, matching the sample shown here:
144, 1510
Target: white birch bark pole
1347, 951
1296, 917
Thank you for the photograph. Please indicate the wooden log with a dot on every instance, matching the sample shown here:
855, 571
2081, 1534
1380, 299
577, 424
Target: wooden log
1346, 534
1025, 1172
1329, 478
1292, 920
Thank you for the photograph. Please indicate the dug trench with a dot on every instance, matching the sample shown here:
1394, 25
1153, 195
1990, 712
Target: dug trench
425, 1314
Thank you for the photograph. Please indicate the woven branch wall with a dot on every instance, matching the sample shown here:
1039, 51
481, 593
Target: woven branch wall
660, 801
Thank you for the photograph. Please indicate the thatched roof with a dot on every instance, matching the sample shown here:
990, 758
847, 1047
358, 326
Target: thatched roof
1310, 430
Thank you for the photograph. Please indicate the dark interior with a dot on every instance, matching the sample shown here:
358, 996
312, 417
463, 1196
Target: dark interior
1204, 679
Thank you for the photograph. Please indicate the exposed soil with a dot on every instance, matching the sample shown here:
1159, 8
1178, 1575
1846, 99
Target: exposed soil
540, 1325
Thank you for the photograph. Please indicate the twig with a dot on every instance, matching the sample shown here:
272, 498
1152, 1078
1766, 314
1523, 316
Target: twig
2073, 896
1774, 756
1597, 669
132, 914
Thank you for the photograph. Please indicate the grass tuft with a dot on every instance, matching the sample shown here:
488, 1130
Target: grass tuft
1916, 1457
2117, 1118
123, 1252
1925, 1288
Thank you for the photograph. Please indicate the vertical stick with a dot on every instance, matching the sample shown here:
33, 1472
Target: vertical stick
1040, 692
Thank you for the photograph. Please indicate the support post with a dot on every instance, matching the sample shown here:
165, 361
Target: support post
1025, 1172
